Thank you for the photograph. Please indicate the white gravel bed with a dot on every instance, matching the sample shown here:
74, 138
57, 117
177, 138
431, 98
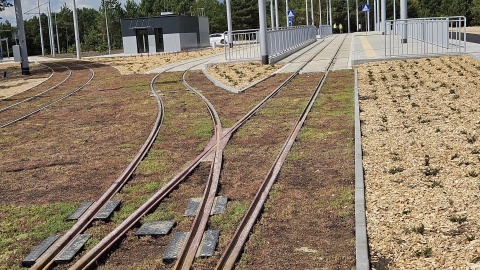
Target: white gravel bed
421, 143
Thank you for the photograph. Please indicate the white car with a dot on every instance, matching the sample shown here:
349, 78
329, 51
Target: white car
217, 38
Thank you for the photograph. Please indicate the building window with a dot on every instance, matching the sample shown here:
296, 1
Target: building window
159, 39
142, 40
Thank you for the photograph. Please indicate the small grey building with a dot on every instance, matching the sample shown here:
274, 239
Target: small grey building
166, 33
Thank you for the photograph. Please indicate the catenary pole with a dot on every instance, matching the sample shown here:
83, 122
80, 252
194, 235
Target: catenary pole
326, 12
21, 37
41, 30
356, 8
320, 13
56, 29
306, 11
367, 14
378, 15
384, 16
348, 16
272, 19
286, 10
106, 25
404, 17
330, 4
311, 8
75, 25
229, 24
50, 31
263, 31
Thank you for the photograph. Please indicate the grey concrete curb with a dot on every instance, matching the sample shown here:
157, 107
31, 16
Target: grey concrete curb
231, 89
218, 83
361, 241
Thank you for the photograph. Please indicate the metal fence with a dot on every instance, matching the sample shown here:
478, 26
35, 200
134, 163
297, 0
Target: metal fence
245, 44
281, 41
425, 36
325, 30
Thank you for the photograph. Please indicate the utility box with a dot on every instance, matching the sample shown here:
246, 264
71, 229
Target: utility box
17, 57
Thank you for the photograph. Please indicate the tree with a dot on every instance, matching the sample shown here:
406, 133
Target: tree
245, 14
131, 9
4, 4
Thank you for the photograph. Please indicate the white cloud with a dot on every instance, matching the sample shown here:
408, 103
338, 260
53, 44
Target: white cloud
30, 5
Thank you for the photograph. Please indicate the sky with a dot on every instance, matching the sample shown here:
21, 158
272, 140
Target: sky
31, 5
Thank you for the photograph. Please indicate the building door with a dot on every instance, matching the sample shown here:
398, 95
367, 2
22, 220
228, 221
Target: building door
159, 39
142, 40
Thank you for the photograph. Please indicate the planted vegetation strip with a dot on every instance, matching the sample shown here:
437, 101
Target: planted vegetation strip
308, 218
46, 158
421, 153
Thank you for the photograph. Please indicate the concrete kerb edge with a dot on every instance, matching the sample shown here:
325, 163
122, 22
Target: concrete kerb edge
361, 240
217, 82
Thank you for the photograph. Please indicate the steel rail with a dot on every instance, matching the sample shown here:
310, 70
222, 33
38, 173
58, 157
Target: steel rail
46, 260
109, 241
189, 249
234, 248
43, 92
52, 102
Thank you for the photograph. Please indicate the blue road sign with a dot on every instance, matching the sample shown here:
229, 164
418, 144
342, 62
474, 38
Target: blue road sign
290, 22
365, 7
291, 13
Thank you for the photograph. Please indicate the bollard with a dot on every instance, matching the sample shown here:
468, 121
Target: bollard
4, 74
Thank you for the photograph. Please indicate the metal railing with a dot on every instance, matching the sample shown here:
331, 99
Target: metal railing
325, 30
283, 40
425, 36
242, 45
245, 44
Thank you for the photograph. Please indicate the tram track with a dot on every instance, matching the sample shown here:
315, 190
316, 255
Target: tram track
189, 249
43, 99
32, 94
215, 150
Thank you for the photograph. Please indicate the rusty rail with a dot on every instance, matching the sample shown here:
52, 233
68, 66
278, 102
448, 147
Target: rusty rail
46, 260
188, 251
50, 103
240, 236
43, 92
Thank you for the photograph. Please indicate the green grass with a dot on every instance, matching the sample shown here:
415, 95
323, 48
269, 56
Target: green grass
229, 220
23, 227
164, 212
